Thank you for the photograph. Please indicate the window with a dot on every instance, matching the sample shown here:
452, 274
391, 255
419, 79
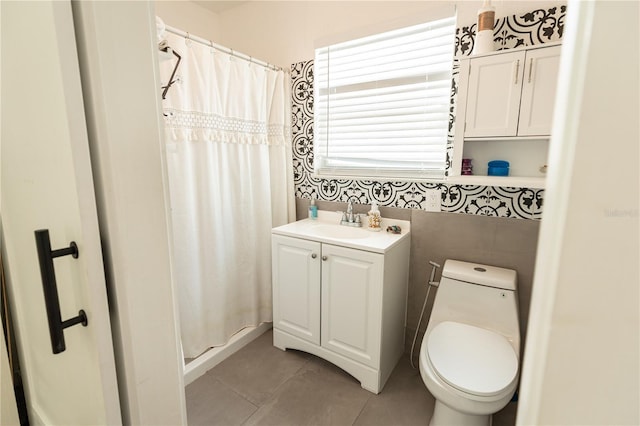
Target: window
382, 103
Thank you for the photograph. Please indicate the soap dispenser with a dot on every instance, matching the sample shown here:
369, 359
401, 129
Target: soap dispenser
313, 210
374, 219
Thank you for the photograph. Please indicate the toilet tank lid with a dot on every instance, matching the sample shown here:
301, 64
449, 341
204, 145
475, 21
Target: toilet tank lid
476, 273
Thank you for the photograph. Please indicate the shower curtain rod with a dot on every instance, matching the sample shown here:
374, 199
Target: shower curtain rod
224, 49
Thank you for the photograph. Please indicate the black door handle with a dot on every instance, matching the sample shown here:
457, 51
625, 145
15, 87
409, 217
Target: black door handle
52, 303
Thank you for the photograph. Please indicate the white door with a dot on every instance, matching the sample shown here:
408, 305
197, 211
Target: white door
539, 91
47, 183
493, 97
296, 287
352, 303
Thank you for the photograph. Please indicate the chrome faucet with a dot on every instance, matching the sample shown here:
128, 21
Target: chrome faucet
349, 218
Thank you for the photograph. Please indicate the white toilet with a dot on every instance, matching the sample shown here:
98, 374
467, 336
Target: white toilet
469, 358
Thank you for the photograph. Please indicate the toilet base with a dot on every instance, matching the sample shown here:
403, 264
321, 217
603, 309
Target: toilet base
443, 415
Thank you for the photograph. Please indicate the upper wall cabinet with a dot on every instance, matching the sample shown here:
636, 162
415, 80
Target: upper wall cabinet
504, 111
511, 94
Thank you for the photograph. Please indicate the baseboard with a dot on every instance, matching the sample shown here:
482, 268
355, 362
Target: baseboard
215, 356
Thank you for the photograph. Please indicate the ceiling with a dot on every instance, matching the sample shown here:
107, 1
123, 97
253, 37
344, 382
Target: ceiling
218, 6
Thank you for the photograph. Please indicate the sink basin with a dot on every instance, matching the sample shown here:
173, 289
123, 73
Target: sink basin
327, 229
339, 231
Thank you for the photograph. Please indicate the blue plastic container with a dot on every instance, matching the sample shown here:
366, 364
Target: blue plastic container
498, 168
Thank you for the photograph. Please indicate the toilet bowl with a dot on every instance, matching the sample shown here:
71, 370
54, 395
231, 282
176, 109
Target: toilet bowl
469, 357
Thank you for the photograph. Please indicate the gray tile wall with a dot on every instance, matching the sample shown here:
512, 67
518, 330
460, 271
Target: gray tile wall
505, 242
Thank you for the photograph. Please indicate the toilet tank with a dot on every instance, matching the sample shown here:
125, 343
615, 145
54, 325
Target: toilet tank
480, 295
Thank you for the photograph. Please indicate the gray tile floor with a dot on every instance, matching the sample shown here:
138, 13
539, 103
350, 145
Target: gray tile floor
262, 385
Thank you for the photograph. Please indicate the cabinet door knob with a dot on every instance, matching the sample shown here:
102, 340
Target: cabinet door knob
324, 257
517, 70
530, 69
313, 255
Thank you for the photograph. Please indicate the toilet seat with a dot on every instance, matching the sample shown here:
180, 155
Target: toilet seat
472, 359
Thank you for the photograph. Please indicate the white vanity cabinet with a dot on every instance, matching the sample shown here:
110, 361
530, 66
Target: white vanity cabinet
344, 304
511, 94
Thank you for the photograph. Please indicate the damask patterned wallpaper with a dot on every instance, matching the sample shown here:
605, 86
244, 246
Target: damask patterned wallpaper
531, 28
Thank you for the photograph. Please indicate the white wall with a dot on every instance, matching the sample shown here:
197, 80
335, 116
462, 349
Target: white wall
582, 352
121, 88
8, 410
189, 16
285, 32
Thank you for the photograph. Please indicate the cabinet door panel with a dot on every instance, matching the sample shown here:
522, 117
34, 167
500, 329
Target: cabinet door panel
296, 287
493, 99
539, 91
352, 303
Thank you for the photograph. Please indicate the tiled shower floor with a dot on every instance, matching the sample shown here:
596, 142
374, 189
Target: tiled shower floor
262, 385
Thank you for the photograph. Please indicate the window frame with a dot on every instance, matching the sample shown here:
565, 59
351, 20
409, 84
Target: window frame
324, 164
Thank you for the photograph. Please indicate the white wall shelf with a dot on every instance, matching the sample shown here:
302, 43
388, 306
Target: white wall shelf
502, 181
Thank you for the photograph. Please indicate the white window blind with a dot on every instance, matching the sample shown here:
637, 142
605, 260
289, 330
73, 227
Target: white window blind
382, 103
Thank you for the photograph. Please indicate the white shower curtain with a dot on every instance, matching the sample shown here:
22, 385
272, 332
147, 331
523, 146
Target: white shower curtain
230, 175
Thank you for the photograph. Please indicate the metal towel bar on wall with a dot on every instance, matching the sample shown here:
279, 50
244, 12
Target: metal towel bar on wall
51, 300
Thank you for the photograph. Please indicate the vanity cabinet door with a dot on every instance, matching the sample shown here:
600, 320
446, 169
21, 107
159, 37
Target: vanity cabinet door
493, 98
296, 287
539, 91
352, 303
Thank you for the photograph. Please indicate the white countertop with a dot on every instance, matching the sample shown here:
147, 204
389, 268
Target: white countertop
327, 229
